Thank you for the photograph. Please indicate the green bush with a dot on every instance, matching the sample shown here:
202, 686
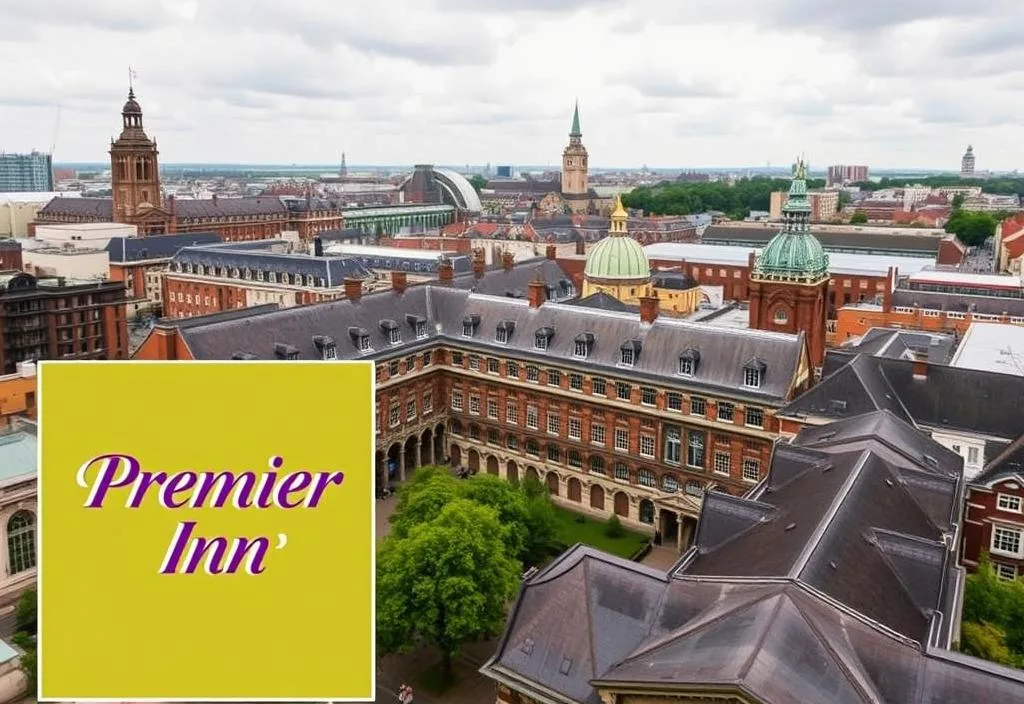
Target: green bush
613, 528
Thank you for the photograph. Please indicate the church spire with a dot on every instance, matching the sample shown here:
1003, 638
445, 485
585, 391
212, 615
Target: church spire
575, 131
619, 218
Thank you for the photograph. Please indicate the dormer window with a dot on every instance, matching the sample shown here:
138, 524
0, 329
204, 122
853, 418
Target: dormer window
629, 353
361, 339
272, 277
504, 332
469, 325
688, 362
582, 344
419, 325
421, 329
391, 331
753, 373
326, 347
542, 338
283, 351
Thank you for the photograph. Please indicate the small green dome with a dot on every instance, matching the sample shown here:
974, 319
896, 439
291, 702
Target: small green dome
617, 257
792, 256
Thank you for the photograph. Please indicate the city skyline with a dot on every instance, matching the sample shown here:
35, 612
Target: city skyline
475, 82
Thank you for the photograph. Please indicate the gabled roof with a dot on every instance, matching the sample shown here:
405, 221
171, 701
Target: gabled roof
220, 207
129, 249
602, 301
101, 209
858, 510
856, 388
592, 621
1008, 463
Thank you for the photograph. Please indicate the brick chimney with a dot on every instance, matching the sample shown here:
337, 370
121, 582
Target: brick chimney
648, 309
508, 260
581, 247
353, 289
552, 252
479, 263
215, 199
399, 281
920, 369
445, 272
538, 293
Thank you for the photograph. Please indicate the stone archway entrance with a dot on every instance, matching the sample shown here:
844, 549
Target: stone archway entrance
473, 460
597, 497
669, 528
456, 453
439, 457
426, 448
411, 455
393, 463
531, 473
575, 490
492, 465
621, 504
552, 482
512, 472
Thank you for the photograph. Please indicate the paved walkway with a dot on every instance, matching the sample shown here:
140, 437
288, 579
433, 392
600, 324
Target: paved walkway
661, 557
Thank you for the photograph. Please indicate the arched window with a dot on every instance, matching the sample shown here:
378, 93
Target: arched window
669, 483
596, 465
21, 542
645, 477
694, 488
455, 427
647, 511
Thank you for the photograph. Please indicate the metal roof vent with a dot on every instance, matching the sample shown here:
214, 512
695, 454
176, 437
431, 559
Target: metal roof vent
833, 564
790, 527
527, 646
565, 666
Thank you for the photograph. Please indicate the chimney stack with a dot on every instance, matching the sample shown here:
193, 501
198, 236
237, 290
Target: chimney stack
353, 289
552, 252
538, 293
581, 247
479, 263
920, 369
648, 309
215, 199
445, 272
399, 281
507, 260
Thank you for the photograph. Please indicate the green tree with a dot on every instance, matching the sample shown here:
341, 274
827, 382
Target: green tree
446, 582
983, 640
422, 498
995, 610
972, 227
478, 182
25, 621
859, 217
958, 201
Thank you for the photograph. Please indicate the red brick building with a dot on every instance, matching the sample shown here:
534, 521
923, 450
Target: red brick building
55, 319
10, 256
140, 262
994, 516
138, 200
500, 372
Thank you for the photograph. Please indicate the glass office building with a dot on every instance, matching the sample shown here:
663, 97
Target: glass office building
24, 173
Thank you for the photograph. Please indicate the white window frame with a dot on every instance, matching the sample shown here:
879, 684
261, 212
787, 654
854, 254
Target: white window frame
752, 378
1010, 503
1010, 530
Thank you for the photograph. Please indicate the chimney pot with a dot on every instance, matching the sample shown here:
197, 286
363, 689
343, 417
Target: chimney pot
648, 309
537, 294
552, 252
507, 260
353, 289
479, 263
581, 247
445, 272
399, 281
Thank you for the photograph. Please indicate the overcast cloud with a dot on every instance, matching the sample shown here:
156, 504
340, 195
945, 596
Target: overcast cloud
889, 83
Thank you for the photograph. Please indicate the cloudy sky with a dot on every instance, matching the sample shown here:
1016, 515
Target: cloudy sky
889, 83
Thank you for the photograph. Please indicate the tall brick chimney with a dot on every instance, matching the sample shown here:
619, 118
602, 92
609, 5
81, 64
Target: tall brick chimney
648, 309
479, 263
552, 252
920, 369
445, 271
581, 247
538, 293
399, 281
353, 289
508, 260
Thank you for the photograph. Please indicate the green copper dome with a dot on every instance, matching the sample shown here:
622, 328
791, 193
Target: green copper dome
617, 257
794, 254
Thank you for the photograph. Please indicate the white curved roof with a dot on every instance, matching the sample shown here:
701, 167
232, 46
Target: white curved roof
464, 187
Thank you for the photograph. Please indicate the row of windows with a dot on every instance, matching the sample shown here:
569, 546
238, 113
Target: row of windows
396, 367
272, 277
595, 464
725, 410
426, 407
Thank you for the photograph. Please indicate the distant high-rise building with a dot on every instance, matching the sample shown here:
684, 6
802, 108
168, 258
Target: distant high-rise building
343, 171
967, 163
840, 175
26, 173
504, 172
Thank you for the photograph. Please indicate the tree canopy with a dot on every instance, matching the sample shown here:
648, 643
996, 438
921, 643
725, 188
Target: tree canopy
446, 581
736, 200
993, 617
1000, 185
972, 227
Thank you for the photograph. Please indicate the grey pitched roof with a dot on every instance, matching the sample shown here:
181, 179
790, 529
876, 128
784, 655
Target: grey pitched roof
832, 240
515, 282
252, 256
217, 208
129, 249
1007, 462
986, 402
724, 352
862, 518
602, 301
594, 620
958, 303
98, 208
895, 343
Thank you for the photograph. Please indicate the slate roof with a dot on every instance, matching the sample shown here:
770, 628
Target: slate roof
591, 620
101, 209
603, 301
1007, 462
958, 303
133, 249
252, 256
831, 240
724, 352
513, 283
963, 400
894, 343
217, 208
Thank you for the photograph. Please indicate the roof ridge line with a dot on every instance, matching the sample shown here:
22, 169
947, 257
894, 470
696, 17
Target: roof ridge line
749, 662
895, 395
826, 520
895, 573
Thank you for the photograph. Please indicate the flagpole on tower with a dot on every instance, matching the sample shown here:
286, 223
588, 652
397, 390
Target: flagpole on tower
131, 79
